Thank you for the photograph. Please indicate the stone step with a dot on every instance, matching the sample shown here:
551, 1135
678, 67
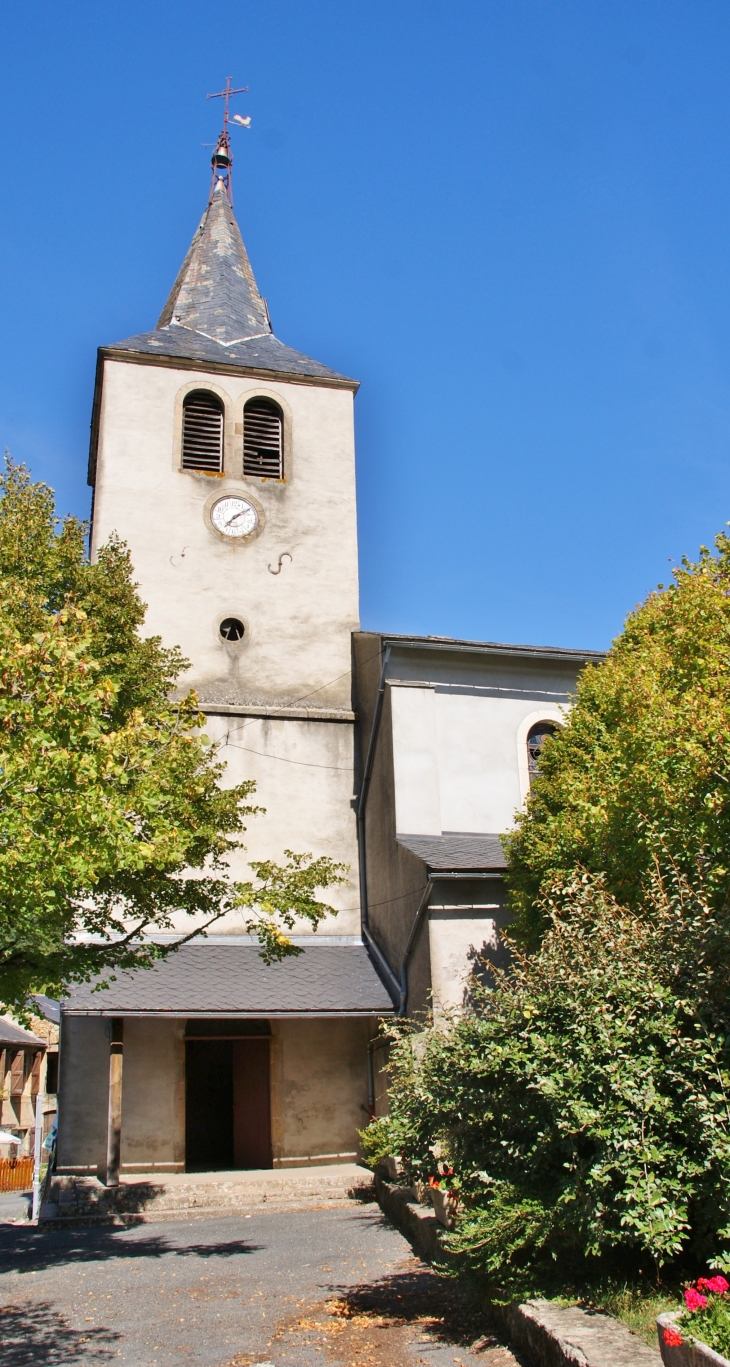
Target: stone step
86, 1200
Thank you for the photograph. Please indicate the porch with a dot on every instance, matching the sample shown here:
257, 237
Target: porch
214, 1062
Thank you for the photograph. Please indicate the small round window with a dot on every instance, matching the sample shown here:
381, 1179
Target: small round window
536, 737
232, 629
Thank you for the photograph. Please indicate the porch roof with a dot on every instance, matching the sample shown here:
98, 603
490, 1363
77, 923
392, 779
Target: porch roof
232, 980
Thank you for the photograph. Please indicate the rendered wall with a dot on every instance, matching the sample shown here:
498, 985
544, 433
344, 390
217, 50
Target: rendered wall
456, 758
153, 1095
463, 939
304, 773
83, 1090
395, 877
319, 1089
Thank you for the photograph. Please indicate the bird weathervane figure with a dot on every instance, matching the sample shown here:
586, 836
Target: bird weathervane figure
222, 159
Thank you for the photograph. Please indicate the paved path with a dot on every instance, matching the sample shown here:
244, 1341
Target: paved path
330, 1288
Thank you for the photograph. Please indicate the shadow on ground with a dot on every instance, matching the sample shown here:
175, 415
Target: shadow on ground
30, 1334
438, 1306
35, 1250
391, 1322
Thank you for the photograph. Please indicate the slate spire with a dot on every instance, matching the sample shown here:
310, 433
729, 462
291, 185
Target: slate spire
215, 293
215, 314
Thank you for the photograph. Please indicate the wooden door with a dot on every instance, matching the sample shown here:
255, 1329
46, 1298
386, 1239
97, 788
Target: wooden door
17, 1072
251, 1104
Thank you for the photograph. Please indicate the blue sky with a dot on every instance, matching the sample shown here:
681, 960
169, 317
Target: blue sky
509, 219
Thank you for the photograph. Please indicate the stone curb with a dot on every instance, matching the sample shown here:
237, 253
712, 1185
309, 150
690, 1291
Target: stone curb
549, 1335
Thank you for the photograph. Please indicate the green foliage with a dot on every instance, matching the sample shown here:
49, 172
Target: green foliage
380, 1139
642, 765
710, 1325
584, 1100
109, 790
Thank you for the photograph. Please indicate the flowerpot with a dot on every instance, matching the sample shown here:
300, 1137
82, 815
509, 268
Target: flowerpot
444, 1206
688, 1353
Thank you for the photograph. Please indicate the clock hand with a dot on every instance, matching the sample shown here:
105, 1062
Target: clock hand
235, 515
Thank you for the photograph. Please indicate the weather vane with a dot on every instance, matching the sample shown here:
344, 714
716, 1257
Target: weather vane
222, 159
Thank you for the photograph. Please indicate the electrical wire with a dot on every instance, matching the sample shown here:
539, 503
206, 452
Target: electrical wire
341, 768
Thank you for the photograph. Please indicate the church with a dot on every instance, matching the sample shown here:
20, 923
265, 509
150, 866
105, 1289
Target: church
226, 461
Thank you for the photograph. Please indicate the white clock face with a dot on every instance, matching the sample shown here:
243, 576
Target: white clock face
234, 516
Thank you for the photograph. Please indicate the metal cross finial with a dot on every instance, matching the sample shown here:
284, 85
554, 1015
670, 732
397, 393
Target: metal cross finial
226, 95
222, 158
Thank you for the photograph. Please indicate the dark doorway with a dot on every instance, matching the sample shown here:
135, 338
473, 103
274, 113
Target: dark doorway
208, 1104
227, 1103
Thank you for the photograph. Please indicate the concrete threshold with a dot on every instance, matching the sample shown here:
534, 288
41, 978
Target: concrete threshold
549, 1335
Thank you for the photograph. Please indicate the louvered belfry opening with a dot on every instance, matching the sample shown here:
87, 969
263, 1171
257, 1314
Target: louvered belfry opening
202, 438
263, 451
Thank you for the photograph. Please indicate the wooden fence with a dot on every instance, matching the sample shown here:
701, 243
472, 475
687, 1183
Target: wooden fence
16, 1174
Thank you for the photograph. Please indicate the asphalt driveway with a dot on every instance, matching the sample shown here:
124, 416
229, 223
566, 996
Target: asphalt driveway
331, 1288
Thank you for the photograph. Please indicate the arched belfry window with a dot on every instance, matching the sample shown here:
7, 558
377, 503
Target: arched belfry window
263, 447
202, 434
536, 737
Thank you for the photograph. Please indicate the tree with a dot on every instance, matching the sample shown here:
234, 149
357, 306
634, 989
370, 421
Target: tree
582, 1106
112, 817
641, 768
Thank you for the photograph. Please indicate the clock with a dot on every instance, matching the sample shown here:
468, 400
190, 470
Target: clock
234, 516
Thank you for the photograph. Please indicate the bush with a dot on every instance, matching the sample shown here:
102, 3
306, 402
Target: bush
583, 1100
643, 761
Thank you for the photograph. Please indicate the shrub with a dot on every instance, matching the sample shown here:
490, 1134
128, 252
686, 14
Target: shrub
583, 1100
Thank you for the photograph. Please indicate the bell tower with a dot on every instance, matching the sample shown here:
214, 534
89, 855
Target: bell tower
225, 460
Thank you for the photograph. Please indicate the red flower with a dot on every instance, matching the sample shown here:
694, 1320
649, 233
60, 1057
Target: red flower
718, 1285
672, 1338
693, 1300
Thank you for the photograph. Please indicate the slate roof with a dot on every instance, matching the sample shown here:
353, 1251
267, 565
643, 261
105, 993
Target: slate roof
10, 1033
215, 292
231, 980
48, 1007
456, 852
214, 311
259, 353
